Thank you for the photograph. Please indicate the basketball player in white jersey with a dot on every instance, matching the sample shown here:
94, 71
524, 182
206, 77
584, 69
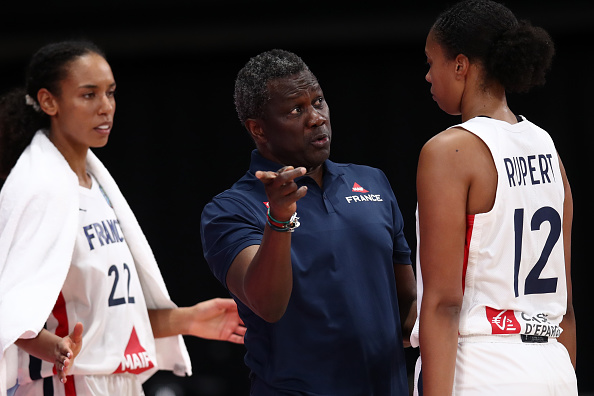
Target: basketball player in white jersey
494, 219
75, 267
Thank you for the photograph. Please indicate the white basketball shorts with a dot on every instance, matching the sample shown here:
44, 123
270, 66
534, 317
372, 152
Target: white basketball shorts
504, 365
85, 385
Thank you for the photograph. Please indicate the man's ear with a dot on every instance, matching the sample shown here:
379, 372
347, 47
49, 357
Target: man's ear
47, 102
255, 129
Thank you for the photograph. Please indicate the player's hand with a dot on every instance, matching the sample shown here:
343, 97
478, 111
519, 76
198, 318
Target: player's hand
217, 319
282, 191
66, 350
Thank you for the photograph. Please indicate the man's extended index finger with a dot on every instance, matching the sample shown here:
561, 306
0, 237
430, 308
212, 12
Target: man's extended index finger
266, 176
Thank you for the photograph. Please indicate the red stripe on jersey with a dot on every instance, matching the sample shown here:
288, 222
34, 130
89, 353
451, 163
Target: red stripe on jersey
69, 388
61, 316
469, 226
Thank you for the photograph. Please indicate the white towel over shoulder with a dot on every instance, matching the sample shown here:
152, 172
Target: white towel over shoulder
38, 221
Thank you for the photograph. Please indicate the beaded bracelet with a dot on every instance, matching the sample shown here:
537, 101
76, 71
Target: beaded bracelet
281, 226
273, 220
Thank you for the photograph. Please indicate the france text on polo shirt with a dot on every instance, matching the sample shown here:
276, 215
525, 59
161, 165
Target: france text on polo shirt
362, 197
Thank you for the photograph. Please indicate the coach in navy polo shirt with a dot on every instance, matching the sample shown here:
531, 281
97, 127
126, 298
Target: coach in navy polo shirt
312, 251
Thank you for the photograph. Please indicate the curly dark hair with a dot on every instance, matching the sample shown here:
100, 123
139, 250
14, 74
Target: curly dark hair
512, 52
251, 84
19, 121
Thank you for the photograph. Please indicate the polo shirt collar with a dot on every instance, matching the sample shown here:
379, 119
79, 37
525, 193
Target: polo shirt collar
258, 162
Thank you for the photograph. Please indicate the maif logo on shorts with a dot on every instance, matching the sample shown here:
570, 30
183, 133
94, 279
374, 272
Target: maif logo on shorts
502, 321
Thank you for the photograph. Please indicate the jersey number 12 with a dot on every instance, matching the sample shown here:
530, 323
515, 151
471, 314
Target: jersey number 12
534, 284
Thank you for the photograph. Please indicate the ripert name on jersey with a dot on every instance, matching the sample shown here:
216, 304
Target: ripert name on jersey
106, 232
533, 169
364, 198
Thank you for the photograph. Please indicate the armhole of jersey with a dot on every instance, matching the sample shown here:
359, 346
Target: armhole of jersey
496, 200
467, 240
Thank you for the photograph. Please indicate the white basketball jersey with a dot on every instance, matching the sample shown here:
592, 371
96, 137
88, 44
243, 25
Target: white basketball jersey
102, 290
514, 277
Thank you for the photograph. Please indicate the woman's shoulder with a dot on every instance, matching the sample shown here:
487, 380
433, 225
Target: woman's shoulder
42, 174
454, 152
455, 138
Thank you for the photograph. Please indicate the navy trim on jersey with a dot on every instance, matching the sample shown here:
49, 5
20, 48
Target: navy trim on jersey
34, 367
518, 118
48, 386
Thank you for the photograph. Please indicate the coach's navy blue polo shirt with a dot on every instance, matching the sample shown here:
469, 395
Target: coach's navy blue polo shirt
340, 334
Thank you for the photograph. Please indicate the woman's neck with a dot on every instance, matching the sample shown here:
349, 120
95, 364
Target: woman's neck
76, 158
490, 105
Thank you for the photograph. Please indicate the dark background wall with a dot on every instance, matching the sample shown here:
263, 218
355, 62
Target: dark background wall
177, 141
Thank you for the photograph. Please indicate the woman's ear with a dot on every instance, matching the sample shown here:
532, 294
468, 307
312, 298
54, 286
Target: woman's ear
47, 102
462, 65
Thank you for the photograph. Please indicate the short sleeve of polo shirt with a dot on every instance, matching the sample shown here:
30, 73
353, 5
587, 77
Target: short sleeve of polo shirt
402, 251
227, 227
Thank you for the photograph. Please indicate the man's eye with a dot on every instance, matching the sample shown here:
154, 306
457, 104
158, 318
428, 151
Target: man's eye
296, 110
